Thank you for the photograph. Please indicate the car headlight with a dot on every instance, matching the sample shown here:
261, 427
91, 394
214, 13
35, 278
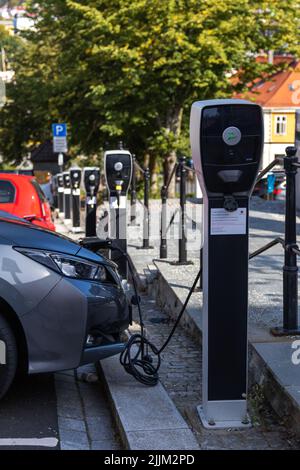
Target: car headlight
69, 266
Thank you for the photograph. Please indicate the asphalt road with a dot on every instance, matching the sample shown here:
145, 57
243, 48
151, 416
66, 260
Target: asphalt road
62, 411
29, 412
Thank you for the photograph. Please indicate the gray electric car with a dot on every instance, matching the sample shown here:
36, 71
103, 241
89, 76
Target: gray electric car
61, 304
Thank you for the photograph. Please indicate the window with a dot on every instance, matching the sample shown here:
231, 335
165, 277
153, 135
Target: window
280, 125
39, 190
7, 192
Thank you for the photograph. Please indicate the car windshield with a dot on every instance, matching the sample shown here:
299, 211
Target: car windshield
7, 192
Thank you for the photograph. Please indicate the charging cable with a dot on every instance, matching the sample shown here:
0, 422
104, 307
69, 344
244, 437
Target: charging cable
141, 358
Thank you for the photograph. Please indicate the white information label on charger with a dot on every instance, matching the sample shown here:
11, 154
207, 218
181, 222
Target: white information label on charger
223, 222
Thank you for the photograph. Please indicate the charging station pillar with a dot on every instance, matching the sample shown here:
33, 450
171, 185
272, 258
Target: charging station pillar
227, 144
60, 193
67, 196
91, 183
118, 173
75, 175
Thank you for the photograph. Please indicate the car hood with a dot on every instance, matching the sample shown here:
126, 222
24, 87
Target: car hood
26, 235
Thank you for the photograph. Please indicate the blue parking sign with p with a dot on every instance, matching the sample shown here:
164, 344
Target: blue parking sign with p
59, 130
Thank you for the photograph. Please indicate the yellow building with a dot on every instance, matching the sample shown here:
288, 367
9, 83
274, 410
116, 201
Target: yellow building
279, 97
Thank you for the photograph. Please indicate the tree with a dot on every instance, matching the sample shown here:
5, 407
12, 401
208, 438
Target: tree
124, 69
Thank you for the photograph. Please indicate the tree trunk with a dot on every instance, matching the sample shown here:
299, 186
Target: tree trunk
174, 120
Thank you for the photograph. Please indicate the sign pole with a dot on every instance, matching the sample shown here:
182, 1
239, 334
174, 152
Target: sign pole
61, 162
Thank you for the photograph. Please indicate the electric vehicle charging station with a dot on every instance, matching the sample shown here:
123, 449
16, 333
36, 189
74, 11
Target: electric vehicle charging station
118, 174
227, 144
67, 196
91, 178
60, 193
75, 175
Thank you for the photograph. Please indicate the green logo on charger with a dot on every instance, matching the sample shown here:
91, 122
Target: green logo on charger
232, 135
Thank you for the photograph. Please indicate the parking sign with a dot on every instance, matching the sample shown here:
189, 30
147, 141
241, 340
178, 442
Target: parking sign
59, 138
59, 130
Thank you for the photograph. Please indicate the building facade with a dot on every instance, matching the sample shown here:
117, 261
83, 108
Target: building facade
279, 127
279, 96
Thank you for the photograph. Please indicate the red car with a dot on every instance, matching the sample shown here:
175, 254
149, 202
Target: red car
22, 196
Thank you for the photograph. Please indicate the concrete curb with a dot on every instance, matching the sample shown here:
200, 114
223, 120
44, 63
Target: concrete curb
146, 417
284, 400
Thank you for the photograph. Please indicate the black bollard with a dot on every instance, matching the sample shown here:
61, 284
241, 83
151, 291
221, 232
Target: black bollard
133, 194
201, 267
146, 225
163, 252
290, 268
182, 226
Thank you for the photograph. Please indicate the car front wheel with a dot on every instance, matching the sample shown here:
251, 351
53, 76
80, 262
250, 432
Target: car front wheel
8, 356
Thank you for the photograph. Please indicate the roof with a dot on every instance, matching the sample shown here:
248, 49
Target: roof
15, 178
44, 153
44, 159
279, 90
276, 59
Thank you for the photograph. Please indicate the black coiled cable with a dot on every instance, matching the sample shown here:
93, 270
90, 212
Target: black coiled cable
139, 364
141, 358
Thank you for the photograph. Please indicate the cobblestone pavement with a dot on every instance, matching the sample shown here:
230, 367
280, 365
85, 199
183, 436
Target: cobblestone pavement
180, 373
84, 418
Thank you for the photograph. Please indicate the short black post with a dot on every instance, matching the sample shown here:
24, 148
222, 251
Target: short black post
133, 194
201, 267
182, 226
290, 268
146, 225
163, 252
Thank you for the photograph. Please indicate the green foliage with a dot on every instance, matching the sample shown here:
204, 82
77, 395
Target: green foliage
11, 3
130, 69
